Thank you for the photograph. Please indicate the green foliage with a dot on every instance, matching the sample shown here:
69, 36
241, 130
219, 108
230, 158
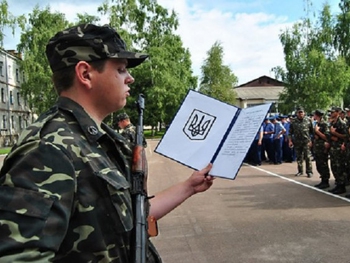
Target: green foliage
6, 20
342, 38
217, 79
167, 76
316, 76
37, 30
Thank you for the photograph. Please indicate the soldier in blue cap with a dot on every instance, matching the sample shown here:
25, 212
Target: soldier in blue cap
278, 140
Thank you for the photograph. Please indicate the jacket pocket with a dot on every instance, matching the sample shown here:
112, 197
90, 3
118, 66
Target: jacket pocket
119, 190
23, 213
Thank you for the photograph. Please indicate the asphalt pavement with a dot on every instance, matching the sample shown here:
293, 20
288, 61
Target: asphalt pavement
265, 215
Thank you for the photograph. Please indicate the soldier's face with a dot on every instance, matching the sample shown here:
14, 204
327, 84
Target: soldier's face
301, 114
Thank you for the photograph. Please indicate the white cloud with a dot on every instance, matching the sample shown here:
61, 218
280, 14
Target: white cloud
250, 41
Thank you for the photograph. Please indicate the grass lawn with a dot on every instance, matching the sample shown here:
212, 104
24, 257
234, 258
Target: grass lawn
158, 135
5, 150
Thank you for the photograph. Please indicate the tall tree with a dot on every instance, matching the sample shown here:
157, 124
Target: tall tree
6, 20
217, 79
315, 76
40, 27
166, 77
342, 37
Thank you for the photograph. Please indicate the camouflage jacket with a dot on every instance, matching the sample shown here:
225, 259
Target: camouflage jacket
341, 128
64, 191
319, 143
301, 130
129, 133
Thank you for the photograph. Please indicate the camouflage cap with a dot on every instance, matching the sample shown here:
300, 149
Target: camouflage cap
319, 112
88, 42
337, 109
122, 116
299, 108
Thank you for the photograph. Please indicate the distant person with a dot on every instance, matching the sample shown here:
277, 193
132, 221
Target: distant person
278, 140
300, 135
127, 129
254, 152
321, 148
337, 152
268, 141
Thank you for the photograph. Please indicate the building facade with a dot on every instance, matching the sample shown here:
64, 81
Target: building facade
15, 114
259, 91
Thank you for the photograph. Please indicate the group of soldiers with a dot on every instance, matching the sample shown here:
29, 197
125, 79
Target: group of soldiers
323, 137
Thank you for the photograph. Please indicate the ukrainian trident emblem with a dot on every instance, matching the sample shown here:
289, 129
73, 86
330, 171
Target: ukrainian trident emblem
198, 125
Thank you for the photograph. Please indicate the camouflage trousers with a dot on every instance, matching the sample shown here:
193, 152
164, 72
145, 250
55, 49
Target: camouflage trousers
302, 152
321, 159
338, 161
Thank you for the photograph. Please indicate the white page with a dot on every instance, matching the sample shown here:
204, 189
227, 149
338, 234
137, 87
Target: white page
237, 144
193, 150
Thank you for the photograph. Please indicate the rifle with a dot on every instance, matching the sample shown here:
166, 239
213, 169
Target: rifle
139, 190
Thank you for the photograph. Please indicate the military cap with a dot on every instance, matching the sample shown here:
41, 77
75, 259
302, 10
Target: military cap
88, 42
299, 108
347, 109
337, 109
122, 116
319, 112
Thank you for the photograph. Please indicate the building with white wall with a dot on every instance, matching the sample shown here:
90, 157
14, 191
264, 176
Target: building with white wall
15, 114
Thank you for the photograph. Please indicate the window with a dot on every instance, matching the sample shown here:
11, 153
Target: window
4, 121
17, 75
1, 66
13, 122
11, 97
19, 99
20, 122
2, 95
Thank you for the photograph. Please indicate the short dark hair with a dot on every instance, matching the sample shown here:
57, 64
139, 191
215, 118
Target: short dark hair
63, 79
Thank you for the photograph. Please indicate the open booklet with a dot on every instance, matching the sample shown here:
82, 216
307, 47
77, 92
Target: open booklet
206, 130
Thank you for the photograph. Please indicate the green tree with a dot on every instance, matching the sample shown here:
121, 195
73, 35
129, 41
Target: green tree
6, 20
342, 37
166, 76
315, 76
36, 32
217, 79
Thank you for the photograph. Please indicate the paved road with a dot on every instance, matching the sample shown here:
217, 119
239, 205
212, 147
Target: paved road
265, 215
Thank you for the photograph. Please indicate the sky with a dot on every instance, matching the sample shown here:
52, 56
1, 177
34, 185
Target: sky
248, 30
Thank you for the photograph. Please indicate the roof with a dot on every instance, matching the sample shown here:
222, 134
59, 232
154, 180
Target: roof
265, 92
262, 81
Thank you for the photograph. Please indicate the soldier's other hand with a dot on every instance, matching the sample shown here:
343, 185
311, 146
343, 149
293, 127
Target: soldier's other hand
201, 181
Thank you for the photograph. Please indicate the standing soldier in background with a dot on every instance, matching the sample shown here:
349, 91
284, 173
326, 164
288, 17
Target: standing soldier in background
300, 134
338, 135
128, 130
278, 140
288, 155
321, 148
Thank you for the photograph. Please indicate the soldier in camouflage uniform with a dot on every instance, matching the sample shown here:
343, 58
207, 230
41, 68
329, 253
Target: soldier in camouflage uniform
321, 148
64, 187
300, 134
337, 152
127, 129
